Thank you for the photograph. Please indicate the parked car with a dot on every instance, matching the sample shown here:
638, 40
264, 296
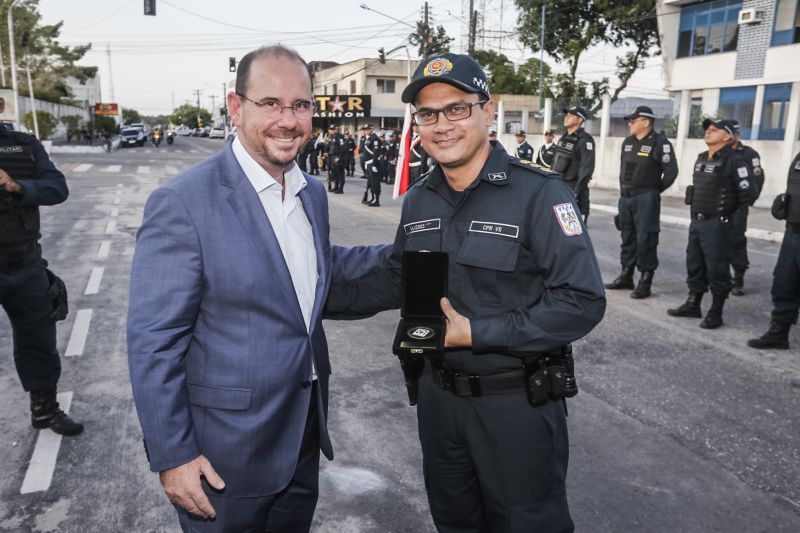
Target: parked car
217, 133
183, 131
197, 132
132, 137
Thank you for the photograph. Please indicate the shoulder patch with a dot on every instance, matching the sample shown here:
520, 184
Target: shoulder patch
666, 148
568, 219
589, 146
742, 172
497, 176
665, 158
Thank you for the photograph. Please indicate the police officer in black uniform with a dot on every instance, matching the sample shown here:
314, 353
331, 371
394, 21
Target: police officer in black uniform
648, 168
548, 151
493, 138
383, 163
523, 282
29, 179
313, 154
392, 149
739, 261
372, 153
350, 158
574, 159
337, 154
362, 137
417, 158
524, 149
786, 276
721, 184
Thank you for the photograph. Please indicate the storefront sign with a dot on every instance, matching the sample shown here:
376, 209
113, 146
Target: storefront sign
342, 106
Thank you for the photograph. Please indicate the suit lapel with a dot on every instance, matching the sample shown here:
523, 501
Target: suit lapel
307, 198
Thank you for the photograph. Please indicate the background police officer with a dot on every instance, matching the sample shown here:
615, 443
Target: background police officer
721, 184
547, 151
350, 157
418, 158
786, 276
337, 154
574, 159
524, 149
739, 261
29, 179
493, 138
647, 169
362, 137
392, 149
523, 281
372, 154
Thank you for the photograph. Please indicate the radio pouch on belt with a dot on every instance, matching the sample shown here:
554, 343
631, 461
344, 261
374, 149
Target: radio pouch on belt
58, 295
687, 199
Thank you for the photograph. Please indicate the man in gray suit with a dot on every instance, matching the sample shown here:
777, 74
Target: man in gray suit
228, 359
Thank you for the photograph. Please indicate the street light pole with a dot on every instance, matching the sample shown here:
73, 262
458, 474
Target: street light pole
13, 62
33, 101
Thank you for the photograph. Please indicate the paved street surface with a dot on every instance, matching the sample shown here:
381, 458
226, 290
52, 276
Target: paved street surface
675, 428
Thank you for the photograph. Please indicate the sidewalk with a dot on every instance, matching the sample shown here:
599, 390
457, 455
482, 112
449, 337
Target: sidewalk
760, 223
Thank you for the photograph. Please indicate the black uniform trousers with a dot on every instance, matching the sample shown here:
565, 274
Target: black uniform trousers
24, 296
493, 463
313, 162
373, 178
582, 199
786, 279
350, 163
739, 260
708, 256
289, 511
301, 161
639, 219
336, 177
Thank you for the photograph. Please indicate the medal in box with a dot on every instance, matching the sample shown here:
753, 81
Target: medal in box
422, 326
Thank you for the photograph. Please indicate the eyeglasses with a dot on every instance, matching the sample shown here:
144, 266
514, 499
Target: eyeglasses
272, 107
453, 112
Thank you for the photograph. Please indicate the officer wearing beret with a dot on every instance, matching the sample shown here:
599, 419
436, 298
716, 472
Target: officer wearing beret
574, 159
648, 168
786, 276
29, 179
524, 150
739, 261
523, 283
721, 184
547, 152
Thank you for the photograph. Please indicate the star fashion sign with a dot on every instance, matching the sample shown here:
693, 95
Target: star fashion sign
342, 106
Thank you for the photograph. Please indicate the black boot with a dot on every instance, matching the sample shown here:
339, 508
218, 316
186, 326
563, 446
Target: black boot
777, 338
623, 281
364, 198
738, 284
713, 319
643, 287
45, 413
690, 308
377, 201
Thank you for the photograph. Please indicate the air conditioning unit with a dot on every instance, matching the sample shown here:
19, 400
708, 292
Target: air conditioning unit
751, 16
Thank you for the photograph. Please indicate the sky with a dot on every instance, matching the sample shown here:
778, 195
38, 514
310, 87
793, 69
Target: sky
153, 64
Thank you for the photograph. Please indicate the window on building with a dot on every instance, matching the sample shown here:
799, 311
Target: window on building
385, 86
738, 103
775, 111
709, 27
334, 89
787, 22
352, 86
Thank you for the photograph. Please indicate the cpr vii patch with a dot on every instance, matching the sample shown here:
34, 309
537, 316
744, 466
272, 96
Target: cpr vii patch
568, 219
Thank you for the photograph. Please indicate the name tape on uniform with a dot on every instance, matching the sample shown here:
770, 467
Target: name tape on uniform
422, 225
568, 219
494, 228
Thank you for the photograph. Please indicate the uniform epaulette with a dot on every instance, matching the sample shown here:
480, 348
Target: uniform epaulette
535, 167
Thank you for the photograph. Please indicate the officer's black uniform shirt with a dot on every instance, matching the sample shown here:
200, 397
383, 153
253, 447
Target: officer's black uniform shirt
521, 265
49, 187
546, 155
736, 174
753, 160
658, 151
581, 167
525, 151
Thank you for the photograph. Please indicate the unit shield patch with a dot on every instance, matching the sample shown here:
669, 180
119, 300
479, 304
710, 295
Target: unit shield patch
568, 219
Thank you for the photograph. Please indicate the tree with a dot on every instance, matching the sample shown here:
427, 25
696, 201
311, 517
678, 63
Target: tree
430, 41
47, 123
130, 116
106, 124
74, 124
38, 48
187, 115
506, 78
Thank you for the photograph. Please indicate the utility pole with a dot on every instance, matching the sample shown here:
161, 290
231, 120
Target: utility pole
473, 23
213, 104
197, 92
541, 61
110, 75
426, 47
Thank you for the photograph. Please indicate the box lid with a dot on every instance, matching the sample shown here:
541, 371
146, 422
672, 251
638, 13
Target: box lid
424, 283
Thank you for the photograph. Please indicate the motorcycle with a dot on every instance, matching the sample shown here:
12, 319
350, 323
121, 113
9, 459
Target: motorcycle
156, 138
170, 137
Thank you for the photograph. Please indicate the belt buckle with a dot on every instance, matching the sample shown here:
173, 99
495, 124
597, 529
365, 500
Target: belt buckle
701, 216
723, 219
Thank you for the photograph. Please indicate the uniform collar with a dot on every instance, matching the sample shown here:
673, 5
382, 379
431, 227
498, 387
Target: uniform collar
494, 171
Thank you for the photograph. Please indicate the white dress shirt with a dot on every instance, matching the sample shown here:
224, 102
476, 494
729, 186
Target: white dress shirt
289, 222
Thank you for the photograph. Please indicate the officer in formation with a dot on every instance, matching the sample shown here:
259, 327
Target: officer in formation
493, 138
739, 260
574, 159
392, 149
382, 157
722, 183
548, 151
372, 153
31, 295
524, 283
647, 169
362, 137
786, 276
418, 158
350, 157
524, 150
336, 148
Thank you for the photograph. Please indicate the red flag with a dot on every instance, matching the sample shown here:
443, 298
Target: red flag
403, 171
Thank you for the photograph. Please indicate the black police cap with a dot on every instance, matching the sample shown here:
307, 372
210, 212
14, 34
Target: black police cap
641, 111
333, 126
735, 124
521, 132
458, 70
726, 125
578, 111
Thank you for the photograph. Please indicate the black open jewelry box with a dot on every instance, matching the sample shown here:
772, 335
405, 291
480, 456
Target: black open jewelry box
422, 326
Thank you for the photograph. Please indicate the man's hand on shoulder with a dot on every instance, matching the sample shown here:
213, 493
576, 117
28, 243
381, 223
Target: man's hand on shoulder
9, 184
459, 330
183, 487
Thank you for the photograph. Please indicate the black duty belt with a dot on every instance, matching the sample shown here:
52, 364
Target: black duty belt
17, 260
463, 384
710, 216
635, 191
793, 227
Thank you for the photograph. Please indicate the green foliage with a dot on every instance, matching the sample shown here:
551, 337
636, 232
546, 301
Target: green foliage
37, 46
106, 124
696, 119
429, 40
74, 125
47, 123
187, 115
506, 78
130, 116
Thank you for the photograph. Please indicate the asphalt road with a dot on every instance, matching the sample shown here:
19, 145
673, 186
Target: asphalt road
675, 428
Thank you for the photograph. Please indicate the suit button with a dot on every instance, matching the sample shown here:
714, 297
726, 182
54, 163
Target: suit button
306, 384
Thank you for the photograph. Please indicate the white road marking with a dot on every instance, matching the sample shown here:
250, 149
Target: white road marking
93, 285
43, 461
171, 170
83, 167
112, 168
116, 200
143, 169
80, 330
148, 151
115, 211
105, 248
111, 227
119, 186
193, 151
